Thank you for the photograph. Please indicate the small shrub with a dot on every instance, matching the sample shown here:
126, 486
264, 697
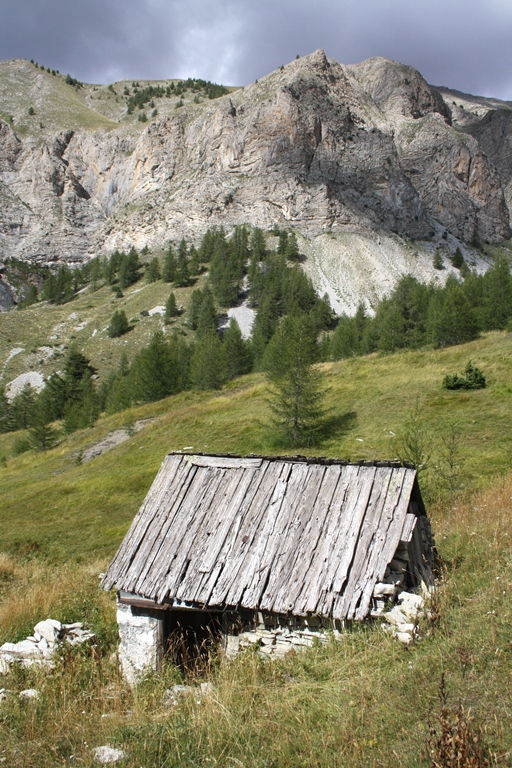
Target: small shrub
457, 259
31, 111
437, 262
118, 324
472, 378
456, 742
21, 445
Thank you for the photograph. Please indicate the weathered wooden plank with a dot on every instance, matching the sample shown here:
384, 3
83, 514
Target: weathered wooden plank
407, 531
250, 582
333, 497
143, 570
346, 536
263, 511
161, 515
356, 576
369, 552
387, 538
232, 581
165, 578
314, 552
223, 462
284, 583
221, 518
135, 533
275, 546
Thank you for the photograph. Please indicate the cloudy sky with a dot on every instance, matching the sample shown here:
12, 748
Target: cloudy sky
464, 44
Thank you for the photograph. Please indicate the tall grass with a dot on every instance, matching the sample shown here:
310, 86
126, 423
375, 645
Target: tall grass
363, 701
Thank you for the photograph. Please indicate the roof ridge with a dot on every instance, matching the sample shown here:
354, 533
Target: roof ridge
322, 460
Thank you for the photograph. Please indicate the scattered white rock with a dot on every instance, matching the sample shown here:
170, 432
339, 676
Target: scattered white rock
48, 630
29, 693
39, 647
13, 353
112, 440
108, 754
245, 316
34, 379
158, 310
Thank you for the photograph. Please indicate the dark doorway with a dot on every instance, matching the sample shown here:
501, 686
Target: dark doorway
190, 636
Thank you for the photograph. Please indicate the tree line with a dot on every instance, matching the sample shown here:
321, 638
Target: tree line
293, 330
416, 315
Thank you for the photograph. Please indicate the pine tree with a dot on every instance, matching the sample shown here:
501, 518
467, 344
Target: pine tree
296, 384
152, 271
160, 369
52, 399
42, 435
437, 261
195, 307
22, 409
497, 295
4, 412
451, 318
182, 276
118, 325
169, 269
129, 268
283, 242
171, 308
292, 248
207, 320
208, 364
237, 352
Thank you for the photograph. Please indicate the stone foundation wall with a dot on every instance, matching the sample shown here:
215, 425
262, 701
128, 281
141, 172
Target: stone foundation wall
275, 634
141, 640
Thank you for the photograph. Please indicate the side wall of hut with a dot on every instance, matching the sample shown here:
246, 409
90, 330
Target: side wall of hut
141, 635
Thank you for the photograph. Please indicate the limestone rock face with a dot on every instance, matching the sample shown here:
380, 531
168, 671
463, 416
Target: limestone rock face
316, 146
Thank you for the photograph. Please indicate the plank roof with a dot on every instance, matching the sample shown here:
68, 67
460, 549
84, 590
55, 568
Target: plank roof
285, 535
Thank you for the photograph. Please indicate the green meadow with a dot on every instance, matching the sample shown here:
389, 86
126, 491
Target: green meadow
365, 701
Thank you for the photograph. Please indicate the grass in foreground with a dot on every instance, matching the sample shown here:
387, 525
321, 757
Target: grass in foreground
365, 701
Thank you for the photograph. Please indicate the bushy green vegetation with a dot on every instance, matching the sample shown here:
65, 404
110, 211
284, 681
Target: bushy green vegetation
416, 315
142, 96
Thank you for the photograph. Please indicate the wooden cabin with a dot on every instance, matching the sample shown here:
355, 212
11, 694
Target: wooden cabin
269, 550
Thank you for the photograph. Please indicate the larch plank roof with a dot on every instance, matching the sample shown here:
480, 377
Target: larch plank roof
285, 535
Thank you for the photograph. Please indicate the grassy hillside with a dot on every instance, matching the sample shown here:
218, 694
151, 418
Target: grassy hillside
45, 329
55, 105
365, 701
369, 400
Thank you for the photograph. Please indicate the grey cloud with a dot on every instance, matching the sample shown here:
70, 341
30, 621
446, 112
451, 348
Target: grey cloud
459, 43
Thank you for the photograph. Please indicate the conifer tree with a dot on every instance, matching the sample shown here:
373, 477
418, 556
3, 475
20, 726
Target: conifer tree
182, 276
152, 270
237, 351
292, 248
208, 364
169, 268
497, 295
42, 435
296, 384
171, 308
207, 319
283, 242
195, 306
22, 408
4, 411
118, 325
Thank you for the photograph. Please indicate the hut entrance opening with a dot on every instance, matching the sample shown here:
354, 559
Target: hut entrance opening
190, 636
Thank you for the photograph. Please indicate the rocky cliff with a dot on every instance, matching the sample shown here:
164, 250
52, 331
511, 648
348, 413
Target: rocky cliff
315, 146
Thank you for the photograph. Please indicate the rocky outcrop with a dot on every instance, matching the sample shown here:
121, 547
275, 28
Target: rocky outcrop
315, 146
